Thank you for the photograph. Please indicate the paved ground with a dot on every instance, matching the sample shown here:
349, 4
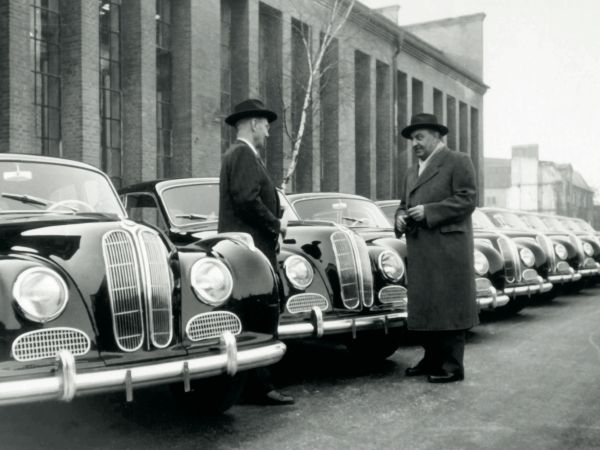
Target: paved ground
533, 382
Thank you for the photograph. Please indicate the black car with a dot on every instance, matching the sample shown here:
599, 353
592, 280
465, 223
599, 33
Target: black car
95, 302
332, 282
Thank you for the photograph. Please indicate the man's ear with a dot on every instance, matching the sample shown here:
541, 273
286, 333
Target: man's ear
253, 123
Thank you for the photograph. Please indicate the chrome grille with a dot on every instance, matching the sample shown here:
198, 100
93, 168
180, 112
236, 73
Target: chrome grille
483, 285
530, 275
563, 267
346, 268
47, 343
158, 289
546, 244
212, 325
511, 258
365, 272
124, 289
393, 295
303, 303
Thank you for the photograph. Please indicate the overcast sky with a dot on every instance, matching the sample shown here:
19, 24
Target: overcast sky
542, 63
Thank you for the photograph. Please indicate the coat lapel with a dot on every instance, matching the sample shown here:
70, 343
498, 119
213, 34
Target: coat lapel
431, 170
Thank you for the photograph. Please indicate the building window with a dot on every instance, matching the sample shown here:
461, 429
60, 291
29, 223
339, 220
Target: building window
164, 149
401, 122
463, 125
438, 104
329, 118
45, 64
226, 130
383, 156
110, 88
417, 96
451, 122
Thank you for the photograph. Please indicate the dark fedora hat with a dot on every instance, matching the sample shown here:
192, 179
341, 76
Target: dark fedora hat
424, 120
249, 108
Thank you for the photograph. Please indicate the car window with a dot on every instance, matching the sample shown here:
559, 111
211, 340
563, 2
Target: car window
144, 208
38, 187
189, 203
345, 211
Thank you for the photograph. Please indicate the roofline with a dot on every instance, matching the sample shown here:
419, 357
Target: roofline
447, 20
378, 24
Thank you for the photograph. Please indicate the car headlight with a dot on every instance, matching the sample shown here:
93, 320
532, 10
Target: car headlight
481, 263
561, 251
211, 281
527, 257
298, 271
40, 293
391, 265
588, 249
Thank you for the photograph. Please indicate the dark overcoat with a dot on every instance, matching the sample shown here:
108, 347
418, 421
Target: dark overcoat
440, 273
248, 199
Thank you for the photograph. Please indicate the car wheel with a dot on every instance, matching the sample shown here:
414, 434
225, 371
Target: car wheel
374, 346
211, 395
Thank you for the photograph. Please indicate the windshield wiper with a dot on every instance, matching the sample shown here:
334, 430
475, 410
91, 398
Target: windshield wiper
192, 216
26, 199
353, 219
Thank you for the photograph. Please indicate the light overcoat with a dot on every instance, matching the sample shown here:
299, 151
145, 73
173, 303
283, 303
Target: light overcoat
440, 273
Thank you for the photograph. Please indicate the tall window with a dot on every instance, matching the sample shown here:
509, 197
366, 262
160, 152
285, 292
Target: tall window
110, 88
164, 151
45, 64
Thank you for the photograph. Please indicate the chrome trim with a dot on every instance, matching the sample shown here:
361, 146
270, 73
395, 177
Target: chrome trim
48, 342
333, 326
394, 295
294, 283
492, 301
343, 252
228, 346
316, 318
588, 272
67, 371
17, 287
304, 303
159, 289
211, 325
73, 384
124, 288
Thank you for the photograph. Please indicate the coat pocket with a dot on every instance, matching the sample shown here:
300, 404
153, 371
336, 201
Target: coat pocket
453, 228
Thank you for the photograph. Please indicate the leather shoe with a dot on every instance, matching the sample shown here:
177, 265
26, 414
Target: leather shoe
416, 371
274, 397
446, 377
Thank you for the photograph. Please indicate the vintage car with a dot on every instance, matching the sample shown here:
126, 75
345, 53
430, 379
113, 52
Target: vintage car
94, 302
333, 284
514, 266
584, 265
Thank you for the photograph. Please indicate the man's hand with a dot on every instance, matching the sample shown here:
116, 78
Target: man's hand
417, 213
401, 223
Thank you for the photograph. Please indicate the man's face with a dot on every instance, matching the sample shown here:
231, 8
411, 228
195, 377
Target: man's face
424, 142
260, 131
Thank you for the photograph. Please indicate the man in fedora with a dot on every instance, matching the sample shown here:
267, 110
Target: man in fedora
249, 203
436, 202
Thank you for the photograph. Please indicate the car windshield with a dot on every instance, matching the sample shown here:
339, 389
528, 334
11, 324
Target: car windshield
389, 210
288, 210
192, 203
351, 212
554, 224
534, 222
481, 221
41, 188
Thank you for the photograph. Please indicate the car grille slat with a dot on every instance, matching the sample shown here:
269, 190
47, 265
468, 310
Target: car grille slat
124, 289
346, 268
159, 290
46, 343
393, 295
211, 325
303, 303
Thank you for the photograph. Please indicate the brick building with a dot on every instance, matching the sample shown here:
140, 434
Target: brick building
526, 183
139, 88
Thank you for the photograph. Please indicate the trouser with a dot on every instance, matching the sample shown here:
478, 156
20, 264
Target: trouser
444, 350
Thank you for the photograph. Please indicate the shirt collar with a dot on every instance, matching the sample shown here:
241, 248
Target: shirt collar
249, 144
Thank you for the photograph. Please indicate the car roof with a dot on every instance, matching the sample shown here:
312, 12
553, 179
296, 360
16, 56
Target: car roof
313, 195
163, 183
25, 157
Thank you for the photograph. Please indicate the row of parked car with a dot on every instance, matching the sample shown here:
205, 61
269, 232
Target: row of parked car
112, 291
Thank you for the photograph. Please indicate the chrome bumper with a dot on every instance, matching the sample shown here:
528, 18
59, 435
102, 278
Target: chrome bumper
67, 383
588, 272
491, 299
529, 289
318, 326
565, 277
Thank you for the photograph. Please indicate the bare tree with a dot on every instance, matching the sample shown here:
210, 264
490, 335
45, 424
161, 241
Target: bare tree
339, 11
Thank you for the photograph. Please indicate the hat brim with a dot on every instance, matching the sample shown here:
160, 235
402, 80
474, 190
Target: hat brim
406, 132
236, 117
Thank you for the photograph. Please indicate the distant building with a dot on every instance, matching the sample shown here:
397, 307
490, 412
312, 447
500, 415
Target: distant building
526, 183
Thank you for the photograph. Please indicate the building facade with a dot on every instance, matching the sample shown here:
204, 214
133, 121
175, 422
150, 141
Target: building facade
526, 183
140, 88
